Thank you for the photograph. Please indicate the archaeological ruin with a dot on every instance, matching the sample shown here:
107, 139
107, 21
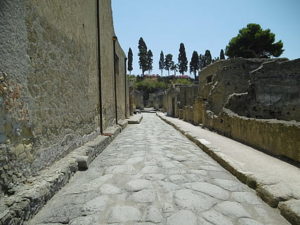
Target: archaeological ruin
254, 101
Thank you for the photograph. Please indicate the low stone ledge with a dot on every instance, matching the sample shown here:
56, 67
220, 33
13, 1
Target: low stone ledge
135, 119
112, 131
123, 123
276, 195
30, 197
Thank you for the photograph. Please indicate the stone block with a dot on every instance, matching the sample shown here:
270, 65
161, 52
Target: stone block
135, 119
123, 123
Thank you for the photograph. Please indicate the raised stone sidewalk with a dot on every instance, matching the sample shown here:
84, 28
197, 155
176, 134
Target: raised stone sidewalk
275, 181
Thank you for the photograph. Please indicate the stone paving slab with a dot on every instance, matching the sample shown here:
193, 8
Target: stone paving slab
32, 196
275, 181
151, 174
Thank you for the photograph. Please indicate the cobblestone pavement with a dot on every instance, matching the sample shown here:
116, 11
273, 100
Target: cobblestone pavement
151, 174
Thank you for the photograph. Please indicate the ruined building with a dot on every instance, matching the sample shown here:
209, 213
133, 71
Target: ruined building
254, 101
62, 82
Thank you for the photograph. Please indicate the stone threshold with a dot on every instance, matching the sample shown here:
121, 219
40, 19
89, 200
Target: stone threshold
34, 194
282, 195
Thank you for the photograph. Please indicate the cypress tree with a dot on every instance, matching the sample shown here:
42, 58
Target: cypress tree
201, 61
143, 55
168, 62
194, 64
222, 56
208, 58
149, 60
174, 67
161, 62
182, 60
130, 57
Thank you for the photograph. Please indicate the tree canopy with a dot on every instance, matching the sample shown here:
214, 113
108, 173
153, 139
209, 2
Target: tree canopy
254, 42
182, 60
130, 58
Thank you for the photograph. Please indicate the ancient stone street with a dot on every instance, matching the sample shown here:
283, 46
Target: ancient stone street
151, 174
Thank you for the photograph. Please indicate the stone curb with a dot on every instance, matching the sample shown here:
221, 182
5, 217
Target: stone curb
290, 209
32, 196
135, 119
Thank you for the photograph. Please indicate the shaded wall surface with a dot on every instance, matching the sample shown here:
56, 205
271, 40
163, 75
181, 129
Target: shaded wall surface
255, 101
112, 67
156, 99
49, 81
136, 100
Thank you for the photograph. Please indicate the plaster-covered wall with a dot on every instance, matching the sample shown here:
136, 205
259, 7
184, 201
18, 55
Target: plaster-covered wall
121, 79
107, 63
49, 81
136, 100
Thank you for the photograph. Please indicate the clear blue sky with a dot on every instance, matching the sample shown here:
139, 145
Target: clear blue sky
201, 24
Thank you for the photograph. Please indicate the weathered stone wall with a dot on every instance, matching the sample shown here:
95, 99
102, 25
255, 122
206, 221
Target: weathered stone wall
269, 92
225, 77
177, 97
170, 101
136, 100
107, 68
249, 114
249, 100
198, 111
107, 65
49, 84
277, 137
187, 95
273, 92
120, 83
156, 99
